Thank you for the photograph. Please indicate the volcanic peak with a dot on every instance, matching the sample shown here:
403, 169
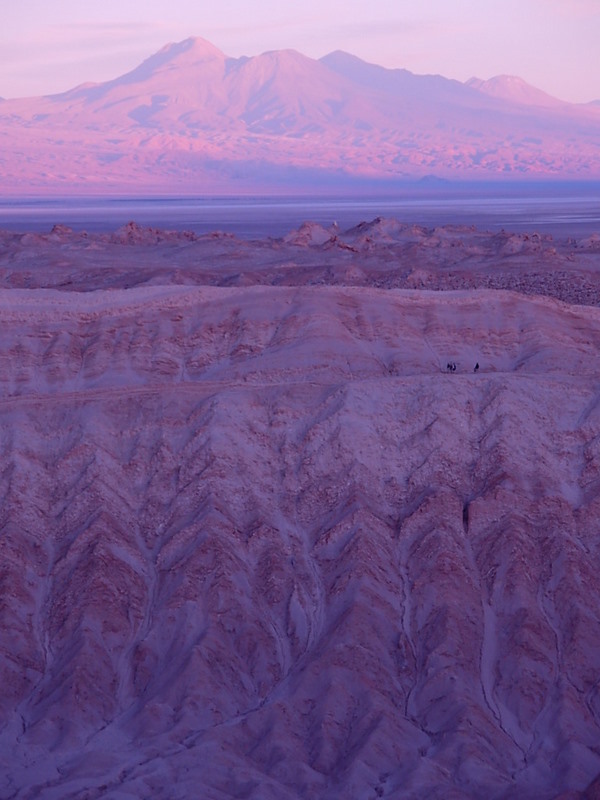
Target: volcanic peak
514, 89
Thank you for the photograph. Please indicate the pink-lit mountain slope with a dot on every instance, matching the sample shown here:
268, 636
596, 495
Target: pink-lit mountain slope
191, 119
515, 90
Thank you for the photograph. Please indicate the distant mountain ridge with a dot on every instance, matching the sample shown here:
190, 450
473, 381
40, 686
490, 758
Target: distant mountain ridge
191, 119
516, 90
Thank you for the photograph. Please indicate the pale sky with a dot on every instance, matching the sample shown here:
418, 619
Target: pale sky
49, 46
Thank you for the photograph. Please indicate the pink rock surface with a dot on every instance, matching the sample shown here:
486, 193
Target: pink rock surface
257, 542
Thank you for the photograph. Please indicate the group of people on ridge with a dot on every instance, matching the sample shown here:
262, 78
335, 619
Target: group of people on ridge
451, 367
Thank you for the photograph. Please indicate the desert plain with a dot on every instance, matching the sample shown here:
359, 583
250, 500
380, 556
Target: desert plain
259, 541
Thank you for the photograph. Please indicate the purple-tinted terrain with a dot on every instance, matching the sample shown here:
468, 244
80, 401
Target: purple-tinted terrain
259, 541
190, 119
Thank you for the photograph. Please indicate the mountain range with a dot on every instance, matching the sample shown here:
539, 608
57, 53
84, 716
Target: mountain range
189, 119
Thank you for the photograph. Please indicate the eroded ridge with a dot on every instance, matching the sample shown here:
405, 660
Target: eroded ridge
259, 542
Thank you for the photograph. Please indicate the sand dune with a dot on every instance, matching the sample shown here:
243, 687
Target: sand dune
258, 542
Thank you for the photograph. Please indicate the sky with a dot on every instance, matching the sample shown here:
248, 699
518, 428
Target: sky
48, 47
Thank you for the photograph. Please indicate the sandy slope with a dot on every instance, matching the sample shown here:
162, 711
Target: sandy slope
257, 542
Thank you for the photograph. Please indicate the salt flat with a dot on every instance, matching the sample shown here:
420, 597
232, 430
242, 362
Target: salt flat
257, 541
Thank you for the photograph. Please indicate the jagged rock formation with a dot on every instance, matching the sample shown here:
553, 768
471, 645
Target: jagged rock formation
383, 253
257, 542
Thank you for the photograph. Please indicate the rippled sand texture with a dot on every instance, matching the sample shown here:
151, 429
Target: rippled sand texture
256, 540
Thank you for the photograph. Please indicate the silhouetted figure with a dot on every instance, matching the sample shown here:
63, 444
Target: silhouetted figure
476, 367
451, 366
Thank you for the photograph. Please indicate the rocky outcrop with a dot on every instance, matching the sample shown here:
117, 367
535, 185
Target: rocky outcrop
383, 253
